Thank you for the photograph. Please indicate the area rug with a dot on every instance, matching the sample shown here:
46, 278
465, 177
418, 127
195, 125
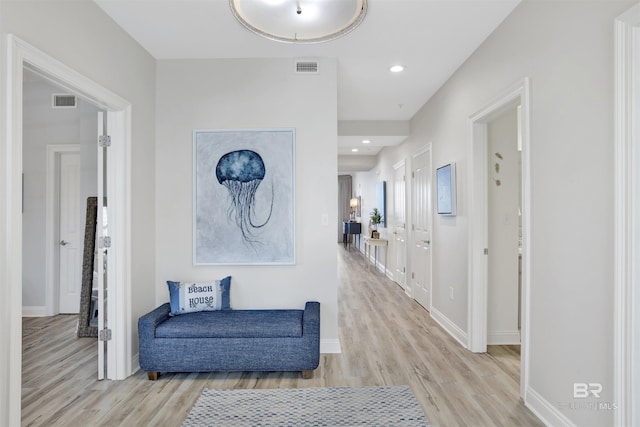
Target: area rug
327, 407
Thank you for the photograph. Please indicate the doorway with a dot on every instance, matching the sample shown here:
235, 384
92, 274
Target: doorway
22, 55
70, 232
479, 175
63, 239
504, 229
60, 137
421, 175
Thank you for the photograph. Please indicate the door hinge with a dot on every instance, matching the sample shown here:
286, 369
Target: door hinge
486, 251
104, 141
104, 242
413, 174
104, 334
404, 270
413, 275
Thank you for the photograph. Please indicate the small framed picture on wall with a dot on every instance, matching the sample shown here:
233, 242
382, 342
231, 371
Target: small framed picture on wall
446, 189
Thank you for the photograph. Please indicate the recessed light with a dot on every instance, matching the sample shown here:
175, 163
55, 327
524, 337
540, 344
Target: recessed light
354, 150
396, 68
366, 141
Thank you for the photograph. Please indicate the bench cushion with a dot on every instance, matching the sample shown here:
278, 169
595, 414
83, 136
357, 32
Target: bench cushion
233, 324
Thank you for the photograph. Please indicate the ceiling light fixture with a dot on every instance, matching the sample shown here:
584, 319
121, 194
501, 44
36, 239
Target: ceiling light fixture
366, 141
396, 69
354, 150
300, 21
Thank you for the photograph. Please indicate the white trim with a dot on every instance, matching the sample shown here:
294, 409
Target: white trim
517, 94
503, 338
13, 227
402, 164
546, 411
19, 55
478, 239
135, 362
330, 346
452, 329
34, 311
627, 221
51, 229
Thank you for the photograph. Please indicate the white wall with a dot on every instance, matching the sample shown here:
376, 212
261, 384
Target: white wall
84, 38
251, 94
566, 49
504, 224
43, 126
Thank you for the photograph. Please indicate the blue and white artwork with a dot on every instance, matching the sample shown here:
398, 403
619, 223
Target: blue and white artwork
244, 196
446, 189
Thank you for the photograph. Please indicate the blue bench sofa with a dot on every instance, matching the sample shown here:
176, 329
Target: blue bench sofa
230, 340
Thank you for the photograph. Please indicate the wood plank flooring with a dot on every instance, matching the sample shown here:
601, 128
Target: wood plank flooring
386, 338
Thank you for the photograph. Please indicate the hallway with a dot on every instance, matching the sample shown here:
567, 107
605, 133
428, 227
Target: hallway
386, 339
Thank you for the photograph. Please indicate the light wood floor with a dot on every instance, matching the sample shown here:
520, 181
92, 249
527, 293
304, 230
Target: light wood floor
386, 338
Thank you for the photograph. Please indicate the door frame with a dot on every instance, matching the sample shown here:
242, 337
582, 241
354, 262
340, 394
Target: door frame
402, 164
627, 222
517, 94
52, 226
21, 54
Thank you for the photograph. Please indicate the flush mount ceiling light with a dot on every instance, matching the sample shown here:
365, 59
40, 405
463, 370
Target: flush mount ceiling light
300, 21
396, 69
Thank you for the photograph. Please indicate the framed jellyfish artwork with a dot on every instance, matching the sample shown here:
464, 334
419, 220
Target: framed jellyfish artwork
243, 183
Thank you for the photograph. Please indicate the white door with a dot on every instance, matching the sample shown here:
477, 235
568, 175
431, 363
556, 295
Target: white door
400, 225
70, 233
421, 228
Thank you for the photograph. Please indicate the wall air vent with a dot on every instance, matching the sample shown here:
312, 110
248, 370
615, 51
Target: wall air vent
64, 100
307, 67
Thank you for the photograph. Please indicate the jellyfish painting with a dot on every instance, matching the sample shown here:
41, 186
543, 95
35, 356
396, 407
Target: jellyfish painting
241, 172
244, 197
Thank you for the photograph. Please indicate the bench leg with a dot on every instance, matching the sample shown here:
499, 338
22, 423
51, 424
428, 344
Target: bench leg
153, 375
307, 375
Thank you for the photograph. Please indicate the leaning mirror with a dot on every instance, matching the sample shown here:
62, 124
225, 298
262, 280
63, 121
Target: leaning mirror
88, 322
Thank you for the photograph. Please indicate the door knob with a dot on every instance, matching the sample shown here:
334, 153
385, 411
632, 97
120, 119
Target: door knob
63, 243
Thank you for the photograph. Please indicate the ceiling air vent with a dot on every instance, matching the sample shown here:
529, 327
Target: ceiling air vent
307, 67
64, 100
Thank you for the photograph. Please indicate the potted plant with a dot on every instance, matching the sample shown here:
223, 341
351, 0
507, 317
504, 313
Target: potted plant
375, 217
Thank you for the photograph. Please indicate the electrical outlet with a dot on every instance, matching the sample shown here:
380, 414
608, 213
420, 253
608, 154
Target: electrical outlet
451, 292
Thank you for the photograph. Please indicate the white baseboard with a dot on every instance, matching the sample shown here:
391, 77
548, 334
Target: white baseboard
34, 311
503, 338
549, 414
330, 346
409, 291
453, 329
135, 363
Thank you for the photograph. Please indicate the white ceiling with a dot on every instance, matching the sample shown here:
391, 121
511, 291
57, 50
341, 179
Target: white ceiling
431, 38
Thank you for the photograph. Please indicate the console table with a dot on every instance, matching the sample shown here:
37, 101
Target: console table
368, 243
348, 228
